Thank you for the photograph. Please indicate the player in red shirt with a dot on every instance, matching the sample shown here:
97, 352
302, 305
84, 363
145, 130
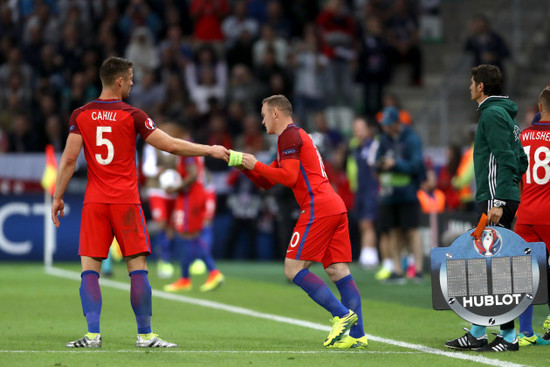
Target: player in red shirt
321, 233
532, 222
190, 216
107, 128
161, 203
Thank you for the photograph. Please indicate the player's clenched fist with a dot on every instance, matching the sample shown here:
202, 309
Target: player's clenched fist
220, 152
249, 161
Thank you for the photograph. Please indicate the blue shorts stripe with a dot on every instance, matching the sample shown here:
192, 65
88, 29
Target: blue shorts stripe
299, 252
144, 230
312, 212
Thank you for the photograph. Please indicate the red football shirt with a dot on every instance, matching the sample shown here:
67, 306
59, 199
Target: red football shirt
312, 190
109, 129
183, 166
535, 197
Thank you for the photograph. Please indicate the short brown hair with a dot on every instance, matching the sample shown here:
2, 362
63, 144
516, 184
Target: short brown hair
280, 102
491, 77
112, 68
544, 99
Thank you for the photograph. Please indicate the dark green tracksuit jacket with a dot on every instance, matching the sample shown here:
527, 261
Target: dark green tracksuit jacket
499, 159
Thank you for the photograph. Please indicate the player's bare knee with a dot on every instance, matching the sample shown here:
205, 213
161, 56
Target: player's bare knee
337, 271
290, 272
293, 267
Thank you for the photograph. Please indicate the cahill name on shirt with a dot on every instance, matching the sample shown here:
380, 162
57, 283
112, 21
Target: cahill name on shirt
104, 115
536, 135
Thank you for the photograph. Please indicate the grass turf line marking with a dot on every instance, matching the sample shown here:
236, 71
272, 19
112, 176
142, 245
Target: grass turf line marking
164, 350
243, 311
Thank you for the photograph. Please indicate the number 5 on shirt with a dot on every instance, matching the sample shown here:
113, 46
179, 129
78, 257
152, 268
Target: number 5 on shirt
100, 140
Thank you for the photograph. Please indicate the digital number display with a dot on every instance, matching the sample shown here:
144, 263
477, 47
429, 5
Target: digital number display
468, 277
456, 278
502, 275
477, 277
523, 274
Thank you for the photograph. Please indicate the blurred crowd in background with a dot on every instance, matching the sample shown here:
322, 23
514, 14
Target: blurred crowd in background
204, 63
207, 65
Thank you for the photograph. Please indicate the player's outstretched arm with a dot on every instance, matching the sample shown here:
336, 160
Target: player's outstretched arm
160, 140
248, 160
64, 174
286, 175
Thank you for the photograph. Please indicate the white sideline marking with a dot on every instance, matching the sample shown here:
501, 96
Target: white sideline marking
164, 350
243, 311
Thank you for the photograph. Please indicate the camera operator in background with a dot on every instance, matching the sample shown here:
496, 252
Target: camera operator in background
401, 170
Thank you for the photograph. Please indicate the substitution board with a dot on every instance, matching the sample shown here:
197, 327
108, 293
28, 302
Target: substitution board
491, 279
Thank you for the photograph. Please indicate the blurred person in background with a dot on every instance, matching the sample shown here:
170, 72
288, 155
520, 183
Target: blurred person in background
243, 87
485, 45
16, 65
432, 199
175, 97
361, 167
32, 47
190, 217
136, 14
79, 91
142, 52
432, 203
309, 67
15, 87
276, 18
241, 51
207, 16
22, 138
268, 66
334, 137
464, 179
238, 22
446, 174
8, 25
161, 202
55, 133
391, 100
252, 137
337, 28
400, 167
149, 94
71, 49
235, 118
174, 49
245, 203
206, 77
404, 40
373, 64
269, 39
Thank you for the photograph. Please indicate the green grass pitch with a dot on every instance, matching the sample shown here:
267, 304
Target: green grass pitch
255, 319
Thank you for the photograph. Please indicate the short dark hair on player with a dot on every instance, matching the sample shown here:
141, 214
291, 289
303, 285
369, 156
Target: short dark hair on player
112, 68
490, 76
544, 99
280, 102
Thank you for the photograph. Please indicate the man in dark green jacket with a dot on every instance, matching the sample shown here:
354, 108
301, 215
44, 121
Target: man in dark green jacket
499, 163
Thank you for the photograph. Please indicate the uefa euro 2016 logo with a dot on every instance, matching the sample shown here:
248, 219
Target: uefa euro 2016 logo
489, 243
